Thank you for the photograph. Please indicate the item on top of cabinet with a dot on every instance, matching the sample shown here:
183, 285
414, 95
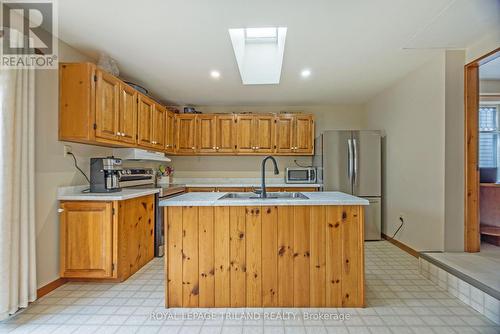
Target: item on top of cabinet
137, 87
191, 110
108, 64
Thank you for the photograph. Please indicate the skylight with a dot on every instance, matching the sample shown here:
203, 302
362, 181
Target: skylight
259, 53
268, 35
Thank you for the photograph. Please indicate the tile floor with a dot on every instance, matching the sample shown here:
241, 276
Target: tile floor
399, 300
483, 267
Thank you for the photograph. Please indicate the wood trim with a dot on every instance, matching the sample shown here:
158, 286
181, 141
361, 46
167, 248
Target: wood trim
402, 246
47, 288
471, 97
472, 242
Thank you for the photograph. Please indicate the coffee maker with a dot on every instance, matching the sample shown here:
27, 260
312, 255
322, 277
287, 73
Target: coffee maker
104, 174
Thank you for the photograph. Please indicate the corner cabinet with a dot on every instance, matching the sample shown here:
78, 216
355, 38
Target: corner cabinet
98, 108
107, 240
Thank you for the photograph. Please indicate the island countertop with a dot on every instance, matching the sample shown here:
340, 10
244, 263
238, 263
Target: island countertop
314, 198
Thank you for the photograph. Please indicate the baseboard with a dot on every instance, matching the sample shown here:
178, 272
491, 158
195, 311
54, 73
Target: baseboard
402, 246
50, 287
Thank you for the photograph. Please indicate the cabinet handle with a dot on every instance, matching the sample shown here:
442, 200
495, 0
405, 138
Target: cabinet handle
193, 148
118, 134
217, 148
213, 148
257, 147
123, 134
60, 210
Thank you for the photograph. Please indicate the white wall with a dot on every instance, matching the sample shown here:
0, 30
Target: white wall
52, 169
454, 151
411, 113
489, 86
327, 118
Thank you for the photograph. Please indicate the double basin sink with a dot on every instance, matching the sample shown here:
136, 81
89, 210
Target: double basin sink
270, 195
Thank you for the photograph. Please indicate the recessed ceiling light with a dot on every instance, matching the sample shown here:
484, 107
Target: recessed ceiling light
215, 74
305, 73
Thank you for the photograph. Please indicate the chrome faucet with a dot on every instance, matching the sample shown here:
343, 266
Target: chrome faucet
263, 193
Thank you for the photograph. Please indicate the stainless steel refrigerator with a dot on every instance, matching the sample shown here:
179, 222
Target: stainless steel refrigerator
351, 162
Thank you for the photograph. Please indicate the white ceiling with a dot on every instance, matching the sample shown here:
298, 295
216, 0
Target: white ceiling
490, 70
353, 48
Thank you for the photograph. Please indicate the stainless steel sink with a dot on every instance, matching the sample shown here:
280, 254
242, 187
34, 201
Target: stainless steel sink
270, 195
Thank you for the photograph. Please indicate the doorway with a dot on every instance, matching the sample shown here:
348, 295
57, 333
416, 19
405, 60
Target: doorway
482, 150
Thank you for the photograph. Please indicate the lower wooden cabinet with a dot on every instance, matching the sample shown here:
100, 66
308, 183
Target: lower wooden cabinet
264, 256
108, 240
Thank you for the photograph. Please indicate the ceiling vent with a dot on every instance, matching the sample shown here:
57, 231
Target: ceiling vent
259, 54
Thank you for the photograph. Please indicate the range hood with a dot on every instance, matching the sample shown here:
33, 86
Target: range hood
139, 154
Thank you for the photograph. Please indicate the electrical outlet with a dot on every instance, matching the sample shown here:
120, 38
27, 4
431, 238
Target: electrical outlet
67, 150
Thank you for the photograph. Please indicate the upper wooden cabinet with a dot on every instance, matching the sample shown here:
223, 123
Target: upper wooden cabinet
170, 132
205, 131
225, 134
158, 126
127, 115
186, 133
303, 134
98, 108
145, 110
107, 106
295, 134
255, 133
263, 134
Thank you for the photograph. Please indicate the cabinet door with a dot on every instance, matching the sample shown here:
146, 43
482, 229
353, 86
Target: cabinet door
128, 114
169, 132
186, 134
145, 121
304, 134
225, 134
205, 125
159, 127
86, 239
284, 133
107, 106
264, 134
244, 134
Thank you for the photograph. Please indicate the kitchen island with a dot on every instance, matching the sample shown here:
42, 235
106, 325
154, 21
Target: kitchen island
282, 252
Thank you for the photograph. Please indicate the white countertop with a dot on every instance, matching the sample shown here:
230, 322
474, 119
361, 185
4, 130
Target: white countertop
240, 182
212, 199
75, 194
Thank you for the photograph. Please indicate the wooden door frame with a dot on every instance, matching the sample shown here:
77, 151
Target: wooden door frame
472, 241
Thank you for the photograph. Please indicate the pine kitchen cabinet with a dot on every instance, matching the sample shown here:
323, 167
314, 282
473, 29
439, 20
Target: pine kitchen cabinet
98, 108
170, 132
295, 134
290, 253
185, 133
255, 133
106, 240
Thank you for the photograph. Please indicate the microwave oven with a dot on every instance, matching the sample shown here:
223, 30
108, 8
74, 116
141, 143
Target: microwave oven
300, 175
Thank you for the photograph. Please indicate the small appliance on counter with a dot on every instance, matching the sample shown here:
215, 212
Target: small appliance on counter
104, 175
300, 175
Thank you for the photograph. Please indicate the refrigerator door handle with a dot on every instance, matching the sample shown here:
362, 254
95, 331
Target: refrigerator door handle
355, 162
349, 160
